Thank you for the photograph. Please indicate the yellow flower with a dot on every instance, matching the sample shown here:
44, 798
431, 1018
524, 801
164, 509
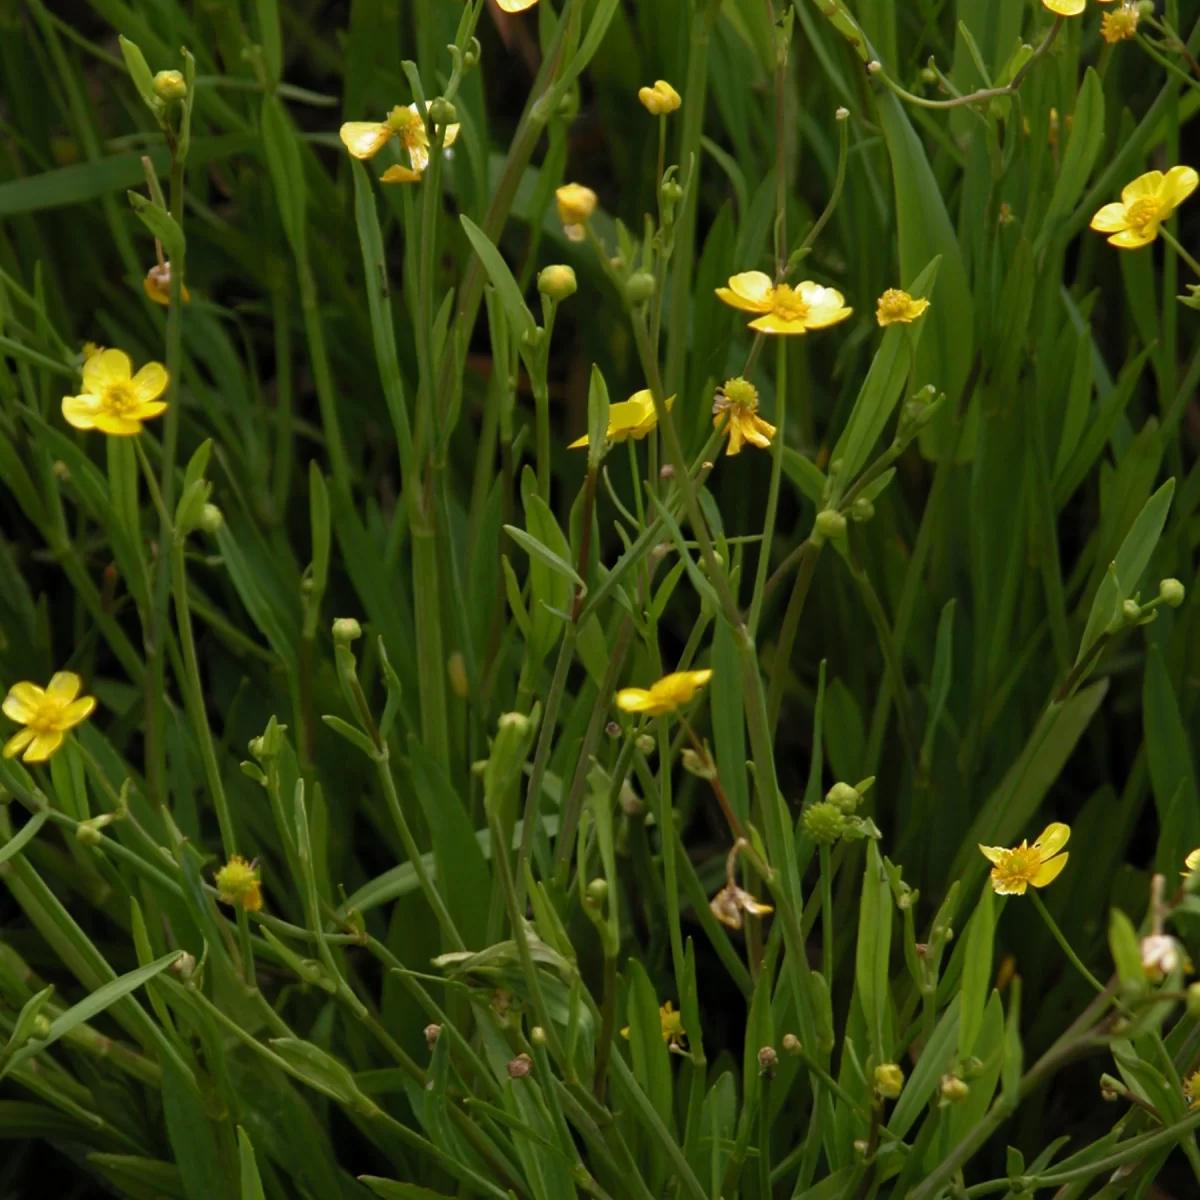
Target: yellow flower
632, 418
1039, 864
889, 1080
664, 696
1120, 26
673, 1032
1191, 1088
1192, 862
576, 204
739, 398
91, 349
516, 6
47, 713
661, 99
114, 400
365, 139
785, 309
731, 902
899, 308
238, 883
158, 285
1145, 203
1067, 8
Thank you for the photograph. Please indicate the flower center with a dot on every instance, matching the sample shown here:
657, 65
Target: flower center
788, 304
1142, 212
741, 393
1020, 865
409, 128
119, 399
894, 303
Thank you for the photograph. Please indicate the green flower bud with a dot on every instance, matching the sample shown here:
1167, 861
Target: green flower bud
597, 892
170, 86
537, 1035
830, 523
954, 1091
862, 509
823, 823
768, 1060
1131, 610
346, 630
640, 288
443, 112
844, 797
557, 282
1171, 592
791, 1044
889, 1081
211, 518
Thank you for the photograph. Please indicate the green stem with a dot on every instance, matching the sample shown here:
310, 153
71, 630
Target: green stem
1173, 242
431, 661
1062, 941
768, 535
666, 817
826, 915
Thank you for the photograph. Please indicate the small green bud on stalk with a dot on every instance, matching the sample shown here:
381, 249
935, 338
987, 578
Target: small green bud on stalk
823, 823
889, 1081
830, 523
1171, 592
557, 282
170, 86
346, 630
640, 288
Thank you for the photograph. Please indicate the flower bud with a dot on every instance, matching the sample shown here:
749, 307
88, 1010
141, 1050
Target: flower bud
597, 892
844, 797
830, 523
1131, 611
632, 805
661, 99
520, 1066
613, 729
698, 764
645, 743
442, 112
211, 518
1171, 592
862, 510
889, 1081
576, 204
672, 193
954, 1090
791, 1044
170, 86
768, 1060
928, 75
346, 630
41, 1026
537, 1035
432, 1033
640, 288
874, 67
842, 114
557, 282
823, 823
666, 471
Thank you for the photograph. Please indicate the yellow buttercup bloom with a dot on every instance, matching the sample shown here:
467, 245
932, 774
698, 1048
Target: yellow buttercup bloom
784, 309
1145, 204
238, 883
664, 696
660, 99
114, 399
158, 285
673, 1033
1121, 25
47, 713
739, 398
632, 418
516, 6
899, 308
1039, 864
365, 139
1192, 862
576, 204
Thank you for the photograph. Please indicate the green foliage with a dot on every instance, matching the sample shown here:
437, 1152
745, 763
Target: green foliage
361, 628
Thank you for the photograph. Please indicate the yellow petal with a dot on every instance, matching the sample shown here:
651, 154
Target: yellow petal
1052, 839
1144, 185
1110, 218
365, 139
1049, 871
1192, 862
1135, 239
147, 412
116, 426
696, 678
515, 6
63, 687
418, 155
1177, 186
634, 700
77, 710
759, 432
22, 702
994, 854
18, 742
105, 369
773, 323
150, 382
826, 306
1007, 887
1064, 8
80, 411
750, 291
579, 443
400, 174
625, 416
155, 292
42, 746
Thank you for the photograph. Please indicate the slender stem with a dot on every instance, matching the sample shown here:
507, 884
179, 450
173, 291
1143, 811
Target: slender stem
764, 1136
768, 535
791, 625
1173, 242
1062, 941
826, 915
666, 817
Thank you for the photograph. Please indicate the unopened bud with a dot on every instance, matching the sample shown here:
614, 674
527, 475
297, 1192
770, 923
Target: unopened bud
1171, 592
597, 892
791, 1044
520, 1066
170, 86
645, 743
874, 67
211, 518
889, 1081
613, 729
640, 288
830, 523
346, 630
954, 1090
61, 471
672, 193
557, 282
1131, 611
698, 764
443, 112
666, 471
768, 1060
842, 114
928, 75
184, 966
41, 1026
432, 1033
862, 510
537, 1035
844, 798
632, 805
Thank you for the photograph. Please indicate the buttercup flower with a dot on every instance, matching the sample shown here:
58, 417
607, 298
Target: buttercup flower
784, 309
114, 399
673, 1033
731, 902
1120, 25
897, 307
516, 6
238, 883
664, 696
47, 713
661, 99
576, 204
739, 398
365, 139
1145, 203
1192, 863
1039, 864
158, 285
632, 418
